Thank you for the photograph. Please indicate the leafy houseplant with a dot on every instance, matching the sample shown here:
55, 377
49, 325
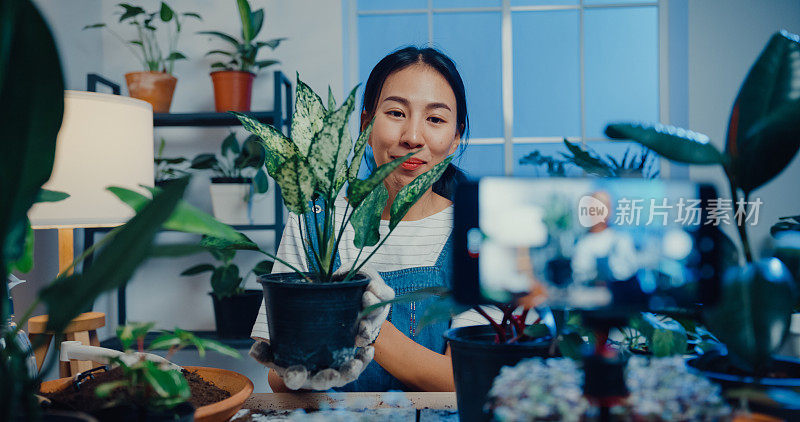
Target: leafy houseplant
167, 168
235, 309
763, 137
156, 83
313, 165
238, 175
630, 165
233, 81
136, 383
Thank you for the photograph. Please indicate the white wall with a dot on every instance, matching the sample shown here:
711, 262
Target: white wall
725, 38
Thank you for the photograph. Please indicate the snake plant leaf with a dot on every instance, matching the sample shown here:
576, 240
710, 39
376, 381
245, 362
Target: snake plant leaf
358, 151
297, 184
753, 314
278, 147
331, 146
114, 265
31, 109
670, 142
230, 144
359, 189
366, 219
665, 337
765, 119
225, 280
411, 192
308, 116
185, 218
331, 99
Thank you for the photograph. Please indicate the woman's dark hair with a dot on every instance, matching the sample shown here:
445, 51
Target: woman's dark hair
438, 61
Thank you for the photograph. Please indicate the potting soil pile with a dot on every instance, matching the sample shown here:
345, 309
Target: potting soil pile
85, 400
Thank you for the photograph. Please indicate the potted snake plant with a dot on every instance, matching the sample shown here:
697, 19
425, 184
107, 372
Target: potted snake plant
752, 317
312, 316
156, 83
233, 76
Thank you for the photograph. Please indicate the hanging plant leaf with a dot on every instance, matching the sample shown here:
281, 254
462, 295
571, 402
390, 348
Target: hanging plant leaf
308, 116
331, 145
219, 244
366, 218
753, 314
358, 151
765, 120
672, 143
359, 189
411, 192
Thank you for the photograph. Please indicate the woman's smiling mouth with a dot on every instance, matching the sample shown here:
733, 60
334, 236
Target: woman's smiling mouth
411, 164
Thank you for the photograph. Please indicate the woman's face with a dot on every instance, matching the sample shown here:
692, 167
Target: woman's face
416, 112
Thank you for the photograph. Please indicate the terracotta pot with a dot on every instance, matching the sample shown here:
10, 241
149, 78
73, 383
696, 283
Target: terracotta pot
232, 90
154, 87
237, 384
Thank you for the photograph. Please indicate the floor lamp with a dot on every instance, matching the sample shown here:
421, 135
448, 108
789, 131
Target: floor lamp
104, 140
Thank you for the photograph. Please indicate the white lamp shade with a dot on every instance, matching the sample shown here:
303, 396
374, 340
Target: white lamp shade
105, 140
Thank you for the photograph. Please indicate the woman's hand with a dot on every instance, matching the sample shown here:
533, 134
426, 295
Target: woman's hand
377, 291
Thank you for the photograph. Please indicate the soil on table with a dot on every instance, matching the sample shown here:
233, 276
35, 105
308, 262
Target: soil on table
84, 399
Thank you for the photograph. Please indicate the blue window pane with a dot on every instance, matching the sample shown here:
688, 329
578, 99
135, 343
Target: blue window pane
392, 4
437, 4
481, 160
617, 1
546, 73
543, 3
380, 35
614, 154
472, 40
621, 47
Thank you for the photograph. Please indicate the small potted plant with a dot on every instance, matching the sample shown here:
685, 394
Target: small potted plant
238, 176
156, 83
167, 168
312, 317
752, 316
136, 385
233, 76
235, 308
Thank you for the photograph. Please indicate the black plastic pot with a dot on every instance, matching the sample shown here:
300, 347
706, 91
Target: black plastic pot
236, 314
231, 180
717, 368
477, 361
312, 324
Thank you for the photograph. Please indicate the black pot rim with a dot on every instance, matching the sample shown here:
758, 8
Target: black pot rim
232, 180
465, 336
747, 379
294, 281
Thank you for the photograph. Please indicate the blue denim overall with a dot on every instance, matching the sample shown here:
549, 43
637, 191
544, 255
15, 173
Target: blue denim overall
404, 316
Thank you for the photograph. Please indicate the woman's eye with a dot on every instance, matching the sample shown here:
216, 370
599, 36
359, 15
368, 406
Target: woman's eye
394, 113
435, 120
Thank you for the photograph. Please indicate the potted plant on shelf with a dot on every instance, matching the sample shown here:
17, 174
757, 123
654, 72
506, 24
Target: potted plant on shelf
630, 164
167, 168
142, 386
752, 316
233, 77
313, 165
238, 177
156, 83
235, 308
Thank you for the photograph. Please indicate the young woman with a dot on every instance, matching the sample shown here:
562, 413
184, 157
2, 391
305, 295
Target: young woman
417, 99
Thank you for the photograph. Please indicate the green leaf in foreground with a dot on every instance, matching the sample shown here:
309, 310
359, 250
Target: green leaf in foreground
411, 192
331, 145
51, 196
671, 142
366, 219
358, 151
114, 265
297, 184
277, 146
307, 118
359, 189
185, 218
